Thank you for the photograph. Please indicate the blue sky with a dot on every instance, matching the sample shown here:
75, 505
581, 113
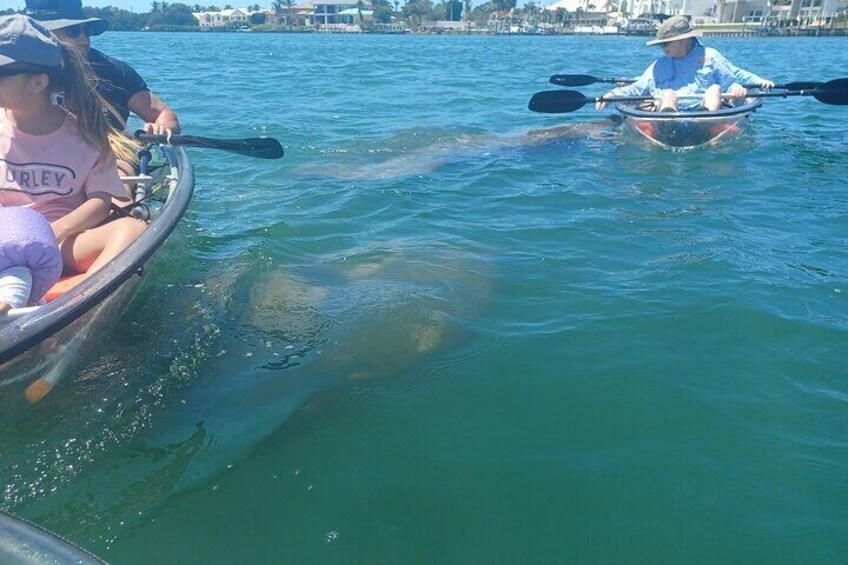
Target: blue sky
144, 5
133, 5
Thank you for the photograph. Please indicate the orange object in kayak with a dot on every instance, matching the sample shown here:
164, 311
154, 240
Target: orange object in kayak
63, 285
682, 131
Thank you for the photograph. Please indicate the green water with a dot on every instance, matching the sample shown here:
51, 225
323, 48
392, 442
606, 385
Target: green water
428, 336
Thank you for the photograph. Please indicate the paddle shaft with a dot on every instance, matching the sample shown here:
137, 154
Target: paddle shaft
833, 92
586, 80
259, 147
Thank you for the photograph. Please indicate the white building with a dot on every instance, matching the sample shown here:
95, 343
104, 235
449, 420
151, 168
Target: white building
570, 5
726, 11
223, 18
351, 16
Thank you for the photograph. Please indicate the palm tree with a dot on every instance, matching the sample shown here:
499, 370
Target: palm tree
359, 5
277, 6
531, 9
290, 8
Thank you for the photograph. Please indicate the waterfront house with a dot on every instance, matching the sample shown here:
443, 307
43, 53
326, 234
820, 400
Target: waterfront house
326, 12
352, 16
299, 16
231, 17
586, 16
743, 11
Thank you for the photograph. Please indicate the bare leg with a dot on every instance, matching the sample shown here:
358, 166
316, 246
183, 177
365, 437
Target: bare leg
712, 98
669, 101
92, 249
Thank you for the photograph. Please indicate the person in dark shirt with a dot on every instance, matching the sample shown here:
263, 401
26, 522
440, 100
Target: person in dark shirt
117, 82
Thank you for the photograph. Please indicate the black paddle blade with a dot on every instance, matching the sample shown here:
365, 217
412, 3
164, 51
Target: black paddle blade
801, 85
258, 147
833, 92
573, 80
558, 101
585, 80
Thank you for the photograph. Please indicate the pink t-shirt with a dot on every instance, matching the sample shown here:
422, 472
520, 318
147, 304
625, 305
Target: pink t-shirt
54, 173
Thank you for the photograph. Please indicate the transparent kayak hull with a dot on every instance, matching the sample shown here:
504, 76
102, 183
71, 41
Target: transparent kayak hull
682, 131
41, 348
24, 543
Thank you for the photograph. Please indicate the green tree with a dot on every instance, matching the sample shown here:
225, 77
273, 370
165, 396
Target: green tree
382, 14
176, 15
284, 6
119, 20
418, 11
532, 11
453, 10
562, 15
503, 5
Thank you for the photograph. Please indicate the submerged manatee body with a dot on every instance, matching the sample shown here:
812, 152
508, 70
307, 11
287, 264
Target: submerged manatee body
294, 335
370, 315
448, 149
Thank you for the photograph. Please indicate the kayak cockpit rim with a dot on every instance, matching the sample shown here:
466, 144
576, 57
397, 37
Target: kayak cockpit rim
629, 110
684, 131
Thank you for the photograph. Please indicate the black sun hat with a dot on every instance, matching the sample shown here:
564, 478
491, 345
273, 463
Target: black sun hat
58, 14
23, 40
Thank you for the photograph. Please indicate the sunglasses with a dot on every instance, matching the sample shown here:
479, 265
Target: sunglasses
75, 30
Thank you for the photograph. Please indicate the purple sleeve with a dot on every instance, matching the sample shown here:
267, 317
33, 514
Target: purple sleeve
27, 240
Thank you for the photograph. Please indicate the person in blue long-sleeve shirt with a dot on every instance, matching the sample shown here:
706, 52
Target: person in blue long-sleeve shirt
689, 70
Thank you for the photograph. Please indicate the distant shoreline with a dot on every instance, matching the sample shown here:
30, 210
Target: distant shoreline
706, 33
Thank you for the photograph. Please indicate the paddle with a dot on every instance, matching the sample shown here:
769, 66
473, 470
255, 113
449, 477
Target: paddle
562, 101
585, 80
259, 147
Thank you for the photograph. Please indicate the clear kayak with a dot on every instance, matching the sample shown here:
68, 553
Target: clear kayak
41, 345
24, 543
682, 131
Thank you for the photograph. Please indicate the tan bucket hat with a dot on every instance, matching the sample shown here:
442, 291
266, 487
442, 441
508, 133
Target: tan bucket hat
674, 28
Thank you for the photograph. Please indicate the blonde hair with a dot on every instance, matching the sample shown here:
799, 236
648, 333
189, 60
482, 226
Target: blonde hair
75, 79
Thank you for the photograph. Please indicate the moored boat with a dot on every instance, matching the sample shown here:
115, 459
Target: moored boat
682, 131
41, 345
